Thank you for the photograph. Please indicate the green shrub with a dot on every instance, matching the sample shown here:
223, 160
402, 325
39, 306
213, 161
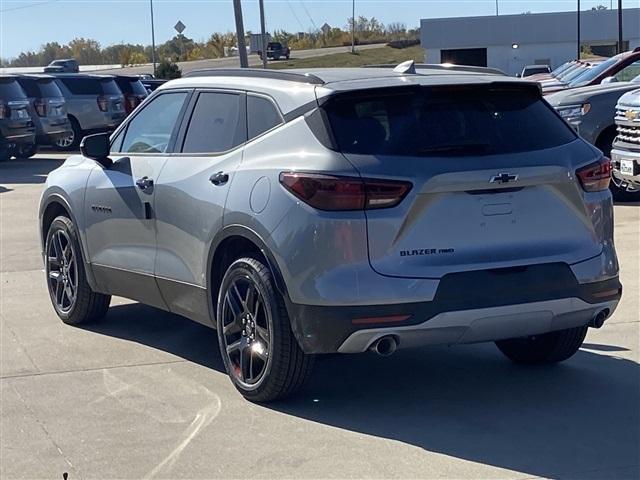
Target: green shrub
168, 70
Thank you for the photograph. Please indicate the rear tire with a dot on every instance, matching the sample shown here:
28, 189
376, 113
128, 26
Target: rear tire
71, 142
548, 348
26, 150
73, 299
5, 154
260, 353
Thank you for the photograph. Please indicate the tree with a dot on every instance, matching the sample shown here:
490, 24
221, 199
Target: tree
168, 70
599, 7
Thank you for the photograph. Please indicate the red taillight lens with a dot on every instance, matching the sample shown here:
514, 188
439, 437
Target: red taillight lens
4, 110
41, 107
328, 192
103, 104
595, 176
132, 101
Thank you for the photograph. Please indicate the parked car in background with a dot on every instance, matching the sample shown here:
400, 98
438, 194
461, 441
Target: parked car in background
276, 51
94, 104
625, 153
150, 84
47, 108
339, 211
17, 131
133, 90
68, 65
621, 67
591, 111
530, 70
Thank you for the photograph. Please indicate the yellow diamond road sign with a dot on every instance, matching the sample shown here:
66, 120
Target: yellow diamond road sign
179, 27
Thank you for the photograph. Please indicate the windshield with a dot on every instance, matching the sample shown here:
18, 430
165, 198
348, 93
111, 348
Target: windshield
436, 121
562, 68
593, 72
575, 73
636, 80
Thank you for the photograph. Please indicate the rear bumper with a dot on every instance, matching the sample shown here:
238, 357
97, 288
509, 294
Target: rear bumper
468, 307
626, 179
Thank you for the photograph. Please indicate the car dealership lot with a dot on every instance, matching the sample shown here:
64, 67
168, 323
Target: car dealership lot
144, 394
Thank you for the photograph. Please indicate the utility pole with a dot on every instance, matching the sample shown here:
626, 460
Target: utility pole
242, 48
263, 35
353, 26
497, 13
153, 41
578, 39
620, 45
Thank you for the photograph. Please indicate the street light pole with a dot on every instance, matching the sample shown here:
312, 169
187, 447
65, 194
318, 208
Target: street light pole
353, 26
620, 46
263, 35
578, 39
242, 48
497, 13
153, 40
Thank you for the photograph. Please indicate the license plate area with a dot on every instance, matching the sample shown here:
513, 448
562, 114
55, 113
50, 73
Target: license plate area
627, 167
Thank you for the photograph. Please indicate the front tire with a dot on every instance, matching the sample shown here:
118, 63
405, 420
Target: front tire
260, 353
26, 150
73, 299
552, 347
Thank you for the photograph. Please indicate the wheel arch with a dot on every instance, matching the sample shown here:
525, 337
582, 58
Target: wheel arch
229, 243
607, 132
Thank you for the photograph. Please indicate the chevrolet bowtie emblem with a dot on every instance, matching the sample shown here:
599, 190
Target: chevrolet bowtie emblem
504, 178
631, 115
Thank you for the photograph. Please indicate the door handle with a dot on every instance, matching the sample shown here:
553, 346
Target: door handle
144, 183
219, 178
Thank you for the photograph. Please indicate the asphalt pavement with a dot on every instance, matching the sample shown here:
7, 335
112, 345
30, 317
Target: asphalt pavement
143, 394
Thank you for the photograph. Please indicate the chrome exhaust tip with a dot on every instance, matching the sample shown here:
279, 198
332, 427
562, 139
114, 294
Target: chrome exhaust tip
384, 346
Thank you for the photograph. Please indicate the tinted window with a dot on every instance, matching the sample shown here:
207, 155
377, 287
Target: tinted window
82, 86
9, 89
150, 130
110, 87
593, 72
130, 85
39, 88
216, 124
262, 115
30, 87
446, 121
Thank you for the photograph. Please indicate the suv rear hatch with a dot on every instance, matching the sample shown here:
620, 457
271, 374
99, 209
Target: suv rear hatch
493, 174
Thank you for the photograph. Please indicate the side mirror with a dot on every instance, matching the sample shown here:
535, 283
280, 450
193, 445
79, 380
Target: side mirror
517, 75
608, 80
97, 148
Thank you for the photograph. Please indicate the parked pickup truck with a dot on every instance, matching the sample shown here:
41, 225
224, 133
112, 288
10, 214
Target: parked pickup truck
625, 154
275, 51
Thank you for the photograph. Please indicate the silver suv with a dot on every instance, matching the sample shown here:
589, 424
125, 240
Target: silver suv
95, 104
345, 210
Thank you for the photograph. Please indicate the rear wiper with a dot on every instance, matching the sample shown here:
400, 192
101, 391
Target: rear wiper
465, 147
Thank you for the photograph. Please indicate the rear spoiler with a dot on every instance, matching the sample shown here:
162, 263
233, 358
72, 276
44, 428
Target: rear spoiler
445, 66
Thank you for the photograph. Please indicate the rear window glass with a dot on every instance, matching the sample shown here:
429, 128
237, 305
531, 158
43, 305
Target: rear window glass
130, 85
10, 90
445, 121
39, 88
91, 86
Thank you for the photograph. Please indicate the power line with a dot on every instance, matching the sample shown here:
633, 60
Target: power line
11, 9
315, 27
295, 15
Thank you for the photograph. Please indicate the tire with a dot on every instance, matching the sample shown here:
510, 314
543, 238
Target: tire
5, 154
73, 141
552, 347
26, 150
66, 277
622, 194
264, 365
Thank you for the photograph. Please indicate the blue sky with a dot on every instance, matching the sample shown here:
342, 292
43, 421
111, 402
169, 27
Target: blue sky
27, 24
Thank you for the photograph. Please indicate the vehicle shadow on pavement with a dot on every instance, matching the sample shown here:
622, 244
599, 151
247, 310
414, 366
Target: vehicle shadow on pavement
162, 330
574, 420
579, 419
32, 170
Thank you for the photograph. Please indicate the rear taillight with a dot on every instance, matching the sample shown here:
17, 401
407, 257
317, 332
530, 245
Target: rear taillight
132, 101
328, 192
595, 176
103, 104
4, 110
41, 107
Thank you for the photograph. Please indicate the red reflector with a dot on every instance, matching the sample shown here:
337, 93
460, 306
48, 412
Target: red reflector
596, 176
372, 320
329, 192
103, 104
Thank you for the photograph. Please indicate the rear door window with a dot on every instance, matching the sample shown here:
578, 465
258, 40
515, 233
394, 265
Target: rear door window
217, 123
262, 115
151, 130
432, 121
82, 85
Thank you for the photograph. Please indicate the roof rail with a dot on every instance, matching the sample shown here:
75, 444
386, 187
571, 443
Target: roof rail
256, 73
443, 66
